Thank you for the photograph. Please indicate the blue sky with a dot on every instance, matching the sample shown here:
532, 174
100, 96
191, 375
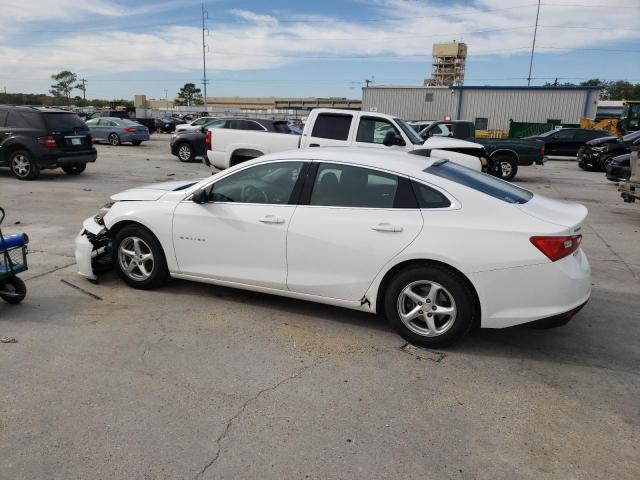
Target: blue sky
308, 48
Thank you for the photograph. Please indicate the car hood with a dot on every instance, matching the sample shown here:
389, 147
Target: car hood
153, 191
602, 140
445, 143
566, 214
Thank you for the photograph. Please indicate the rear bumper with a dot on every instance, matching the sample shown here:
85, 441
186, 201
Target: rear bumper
58, 158
514, 296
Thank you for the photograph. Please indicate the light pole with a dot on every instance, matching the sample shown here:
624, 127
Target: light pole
533, 46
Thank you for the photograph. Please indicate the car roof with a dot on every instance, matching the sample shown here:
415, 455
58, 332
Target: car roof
398, 161
37, 108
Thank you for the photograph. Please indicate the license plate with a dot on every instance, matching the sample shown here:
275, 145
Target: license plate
76, 141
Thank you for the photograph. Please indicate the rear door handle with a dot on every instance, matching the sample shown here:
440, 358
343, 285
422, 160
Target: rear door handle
386, 227
271, 219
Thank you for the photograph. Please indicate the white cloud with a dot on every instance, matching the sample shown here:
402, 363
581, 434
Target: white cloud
257, 41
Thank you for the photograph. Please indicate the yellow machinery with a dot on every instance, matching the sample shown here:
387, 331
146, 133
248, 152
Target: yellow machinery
608, 124
629, 120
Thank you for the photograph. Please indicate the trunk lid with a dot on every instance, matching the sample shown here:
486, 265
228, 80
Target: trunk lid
565, 214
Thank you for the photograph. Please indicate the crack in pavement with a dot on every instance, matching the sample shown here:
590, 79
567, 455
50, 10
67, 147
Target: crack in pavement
49, 271
241, 410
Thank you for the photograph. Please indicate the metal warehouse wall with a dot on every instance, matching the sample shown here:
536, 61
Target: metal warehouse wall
525, 105
410, 103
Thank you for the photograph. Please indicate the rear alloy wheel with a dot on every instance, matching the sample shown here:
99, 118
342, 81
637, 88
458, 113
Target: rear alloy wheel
139, 258
430, 306
507, 167
74, 168
23, 166
114, 139
185, 152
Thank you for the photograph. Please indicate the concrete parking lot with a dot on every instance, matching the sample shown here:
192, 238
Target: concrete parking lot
197, 381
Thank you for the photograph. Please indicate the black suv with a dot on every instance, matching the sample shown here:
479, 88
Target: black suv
38, 138
595, 155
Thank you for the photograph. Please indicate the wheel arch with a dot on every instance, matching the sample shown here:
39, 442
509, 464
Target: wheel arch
418, 262
13, 147
505, 151
244, 152
120, 224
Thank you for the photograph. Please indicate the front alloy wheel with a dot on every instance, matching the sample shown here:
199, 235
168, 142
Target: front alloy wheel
23, 166
139, 259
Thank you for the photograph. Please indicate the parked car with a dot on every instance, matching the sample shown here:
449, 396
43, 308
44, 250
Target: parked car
595, 153
117, 131
420, 125
195, 124
187, 145
38, 138
502, 255
619, 168
327, 127
503, 155
566, 142
128, 114
168, 124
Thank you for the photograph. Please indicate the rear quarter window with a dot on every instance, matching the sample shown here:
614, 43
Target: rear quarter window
480, 182
332, 126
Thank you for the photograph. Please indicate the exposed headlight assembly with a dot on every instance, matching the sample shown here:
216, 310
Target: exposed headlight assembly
102, 212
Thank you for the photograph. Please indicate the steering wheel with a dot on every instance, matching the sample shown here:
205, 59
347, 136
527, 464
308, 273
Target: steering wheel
251, 194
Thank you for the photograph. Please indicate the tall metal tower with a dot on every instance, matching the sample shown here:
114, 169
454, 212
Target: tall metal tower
448, 64
205, 49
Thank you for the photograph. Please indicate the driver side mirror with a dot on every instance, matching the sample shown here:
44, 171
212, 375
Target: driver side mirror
391, 139
199, 197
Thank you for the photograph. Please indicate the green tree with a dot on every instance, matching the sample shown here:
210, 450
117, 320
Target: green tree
189, 95
66, 81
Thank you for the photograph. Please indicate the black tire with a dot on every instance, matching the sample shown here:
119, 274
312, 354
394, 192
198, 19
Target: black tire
506, 167
454, 285
17, 288
185, 152
136, 142
114, 139
601, 165
23, 166
74, 168
158, 272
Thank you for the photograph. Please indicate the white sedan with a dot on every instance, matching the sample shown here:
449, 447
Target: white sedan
433, 245
194, 125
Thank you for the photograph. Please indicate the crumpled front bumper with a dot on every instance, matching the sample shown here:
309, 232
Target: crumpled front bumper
88, 244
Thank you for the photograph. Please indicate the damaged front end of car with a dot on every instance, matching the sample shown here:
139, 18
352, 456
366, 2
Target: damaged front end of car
93, 246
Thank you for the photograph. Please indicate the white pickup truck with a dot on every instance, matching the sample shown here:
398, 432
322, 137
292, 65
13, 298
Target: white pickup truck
328, 127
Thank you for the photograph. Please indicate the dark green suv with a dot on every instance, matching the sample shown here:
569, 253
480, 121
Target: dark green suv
38, 138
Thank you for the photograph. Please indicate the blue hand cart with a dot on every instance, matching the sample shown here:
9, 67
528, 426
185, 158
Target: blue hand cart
13, 260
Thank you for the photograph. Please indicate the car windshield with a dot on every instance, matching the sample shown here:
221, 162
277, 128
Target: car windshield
547, 134
63, 121
409, 132
630, 137
480, 182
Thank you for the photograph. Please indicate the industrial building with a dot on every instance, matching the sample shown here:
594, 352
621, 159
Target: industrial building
491, 108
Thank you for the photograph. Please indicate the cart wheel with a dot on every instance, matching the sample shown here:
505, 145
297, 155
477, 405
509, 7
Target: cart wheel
13, 290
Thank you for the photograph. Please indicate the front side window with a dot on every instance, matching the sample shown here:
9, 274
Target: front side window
332, 126
270, 183
375, 130
216, 124
92, 123
199, 121
349, 186
564, 134
480, 182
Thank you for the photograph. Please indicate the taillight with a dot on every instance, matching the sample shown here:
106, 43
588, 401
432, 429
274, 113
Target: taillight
542, 150
130, 129
556, 248
48, 141
207, 140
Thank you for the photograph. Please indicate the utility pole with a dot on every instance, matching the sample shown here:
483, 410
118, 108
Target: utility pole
166, 98
205, 49
533, 46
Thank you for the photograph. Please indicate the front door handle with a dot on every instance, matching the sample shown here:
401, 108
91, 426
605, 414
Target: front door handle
386, 227
271, 219
314, 145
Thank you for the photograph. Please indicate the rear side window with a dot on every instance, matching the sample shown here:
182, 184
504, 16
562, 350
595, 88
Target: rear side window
480, 182
332, 126
349, 186
15, 120
429, 197
63, 121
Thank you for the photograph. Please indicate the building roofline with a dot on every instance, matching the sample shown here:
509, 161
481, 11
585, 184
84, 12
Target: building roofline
522, 87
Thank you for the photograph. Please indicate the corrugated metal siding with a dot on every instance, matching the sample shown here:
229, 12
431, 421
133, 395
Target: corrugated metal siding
525, 106
409, 103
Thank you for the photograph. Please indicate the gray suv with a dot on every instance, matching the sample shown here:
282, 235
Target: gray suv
38, 138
